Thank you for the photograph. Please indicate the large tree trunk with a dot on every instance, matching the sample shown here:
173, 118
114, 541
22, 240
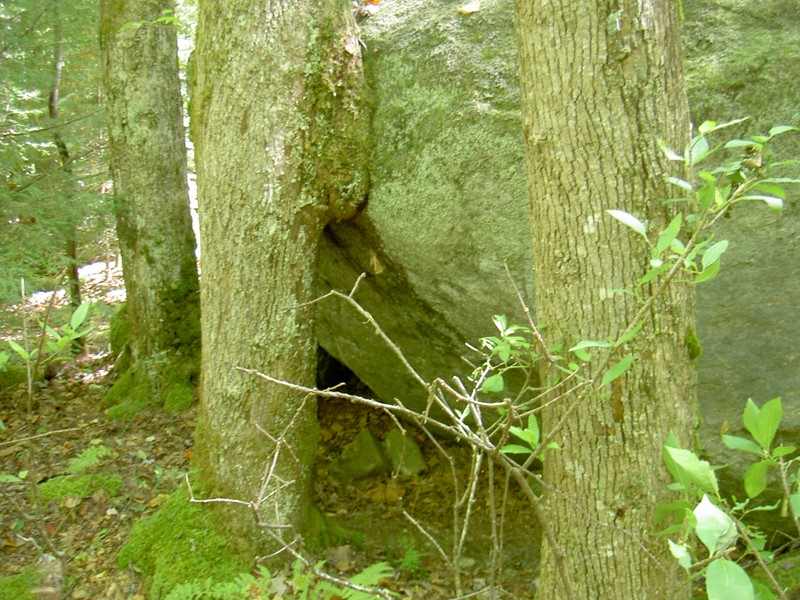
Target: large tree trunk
280, 131
151, 201
601, 87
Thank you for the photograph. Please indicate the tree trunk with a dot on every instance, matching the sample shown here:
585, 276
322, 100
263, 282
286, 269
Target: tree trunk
69, 226
600, 88
151, 201
280, 132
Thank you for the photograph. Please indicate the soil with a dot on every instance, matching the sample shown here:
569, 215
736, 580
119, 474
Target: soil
151, 453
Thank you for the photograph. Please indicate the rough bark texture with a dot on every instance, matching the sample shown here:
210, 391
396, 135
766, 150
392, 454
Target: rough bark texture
601, 84
280, 130
148, 162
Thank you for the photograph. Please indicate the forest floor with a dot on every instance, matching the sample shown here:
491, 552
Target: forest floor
123, 471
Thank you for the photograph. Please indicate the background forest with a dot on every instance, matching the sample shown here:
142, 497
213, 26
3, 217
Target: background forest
422, 243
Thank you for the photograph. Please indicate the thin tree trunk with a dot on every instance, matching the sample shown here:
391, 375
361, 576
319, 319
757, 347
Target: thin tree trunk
602, 84
151, 201
280, 131
70, 230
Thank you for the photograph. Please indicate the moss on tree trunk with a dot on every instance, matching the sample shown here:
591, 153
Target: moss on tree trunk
151, 204
280, 130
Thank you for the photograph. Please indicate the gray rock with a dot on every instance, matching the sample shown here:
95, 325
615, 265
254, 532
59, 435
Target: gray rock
404, 454
361, 458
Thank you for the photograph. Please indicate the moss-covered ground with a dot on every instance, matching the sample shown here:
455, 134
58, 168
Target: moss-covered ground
178, 544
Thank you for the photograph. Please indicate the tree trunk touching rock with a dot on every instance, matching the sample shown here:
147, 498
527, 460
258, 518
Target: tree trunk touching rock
280, 127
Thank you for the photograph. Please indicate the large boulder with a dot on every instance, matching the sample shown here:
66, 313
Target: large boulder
447, 211
447, 206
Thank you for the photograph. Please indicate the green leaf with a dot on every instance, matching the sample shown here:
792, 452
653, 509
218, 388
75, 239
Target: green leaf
713, 254
503, 351
590, 344
629, 334
714, 527
755, 478
583, 355
530, 436
708, 274
501, 323
762, 592
763, 423
79, 316
689, 470
794, 502
780, 179
533, 426
783, 451
681, 183
669, 234
370, 577
515, 449
629, 220
681, 552
580, 348
493, 383
617, 370
709, 126
771, 189
739, 143
774, 203
19, 350
670, 154
779, 129
725, 580
739, 443
699, 149
679, 511
707, 194
654, 272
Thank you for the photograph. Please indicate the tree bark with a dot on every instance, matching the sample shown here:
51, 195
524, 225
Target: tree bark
70, 228
280, 132
151, 201
602, 83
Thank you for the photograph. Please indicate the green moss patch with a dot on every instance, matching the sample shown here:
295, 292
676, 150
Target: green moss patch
80, 486
179, 545
168, 385
118, 337
129, 396
166, 380
18, 586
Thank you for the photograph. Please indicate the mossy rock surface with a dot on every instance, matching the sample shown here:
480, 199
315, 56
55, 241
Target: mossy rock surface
448, 205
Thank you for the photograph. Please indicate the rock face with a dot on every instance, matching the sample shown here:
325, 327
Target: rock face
447, 206
447, 210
